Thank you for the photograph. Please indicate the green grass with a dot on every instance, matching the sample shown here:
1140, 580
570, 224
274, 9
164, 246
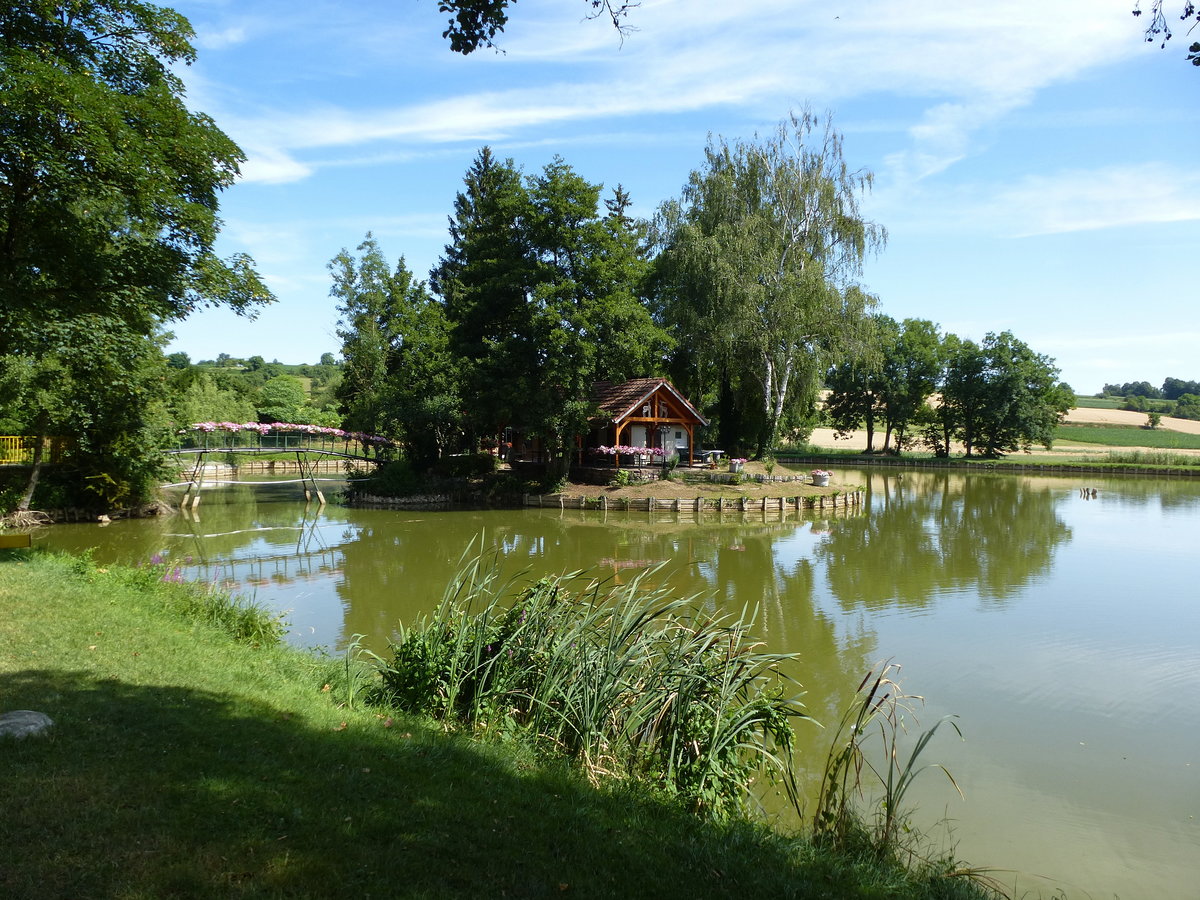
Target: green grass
184, 763
1128, 436
1099, 402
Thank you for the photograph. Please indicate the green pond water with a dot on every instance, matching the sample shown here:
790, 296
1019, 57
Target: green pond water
1062, 630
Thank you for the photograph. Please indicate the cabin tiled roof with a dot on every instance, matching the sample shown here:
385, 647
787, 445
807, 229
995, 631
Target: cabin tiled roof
618, 399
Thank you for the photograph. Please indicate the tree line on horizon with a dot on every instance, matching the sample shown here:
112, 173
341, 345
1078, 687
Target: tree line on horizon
1176, 397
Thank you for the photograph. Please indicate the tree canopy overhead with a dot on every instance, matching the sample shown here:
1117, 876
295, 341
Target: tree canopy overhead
108, 182
1158, 28
474, 23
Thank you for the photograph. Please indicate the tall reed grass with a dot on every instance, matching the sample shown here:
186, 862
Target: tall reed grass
1151, 458
856, 776
625, 679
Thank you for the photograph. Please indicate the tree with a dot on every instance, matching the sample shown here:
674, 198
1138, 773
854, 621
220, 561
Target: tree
282, 399
912, 363
398, 379
1158, 28
1188, 407
1174, 388
90, 379
477, 22
108, 202
179, 360
203, 400
1004, 397
756, 263
543, 299
369, 298
108, 182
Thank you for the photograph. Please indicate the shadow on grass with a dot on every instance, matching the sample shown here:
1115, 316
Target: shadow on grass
164, 791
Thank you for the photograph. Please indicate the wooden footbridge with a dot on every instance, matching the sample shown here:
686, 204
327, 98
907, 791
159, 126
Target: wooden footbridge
309, 447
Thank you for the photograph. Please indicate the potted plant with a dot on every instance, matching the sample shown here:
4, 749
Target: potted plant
820, 477
736, 463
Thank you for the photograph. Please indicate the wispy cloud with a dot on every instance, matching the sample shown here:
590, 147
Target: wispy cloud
967, 68
1088, 200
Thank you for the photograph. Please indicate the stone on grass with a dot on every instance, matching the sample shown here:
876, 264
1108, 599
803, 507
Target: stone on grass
21, 723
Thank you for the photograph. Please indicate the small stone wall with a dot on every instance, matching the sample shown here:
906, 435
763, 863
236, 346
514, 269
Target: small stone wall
845, 500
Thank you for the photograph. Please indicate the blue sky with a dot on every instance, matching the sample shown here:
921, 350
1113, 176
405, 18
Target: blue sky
1035, 163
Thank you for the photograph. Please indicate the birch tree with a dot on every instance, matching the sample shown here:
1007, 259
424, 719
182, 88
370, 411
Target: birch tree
758, 262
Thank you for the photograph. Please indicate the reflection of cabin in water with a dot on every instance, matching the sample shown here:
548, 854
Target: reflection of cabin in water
644, 412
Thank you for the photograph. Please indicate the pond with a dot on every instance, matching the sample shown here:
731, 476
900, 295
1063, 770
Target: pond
1062, 629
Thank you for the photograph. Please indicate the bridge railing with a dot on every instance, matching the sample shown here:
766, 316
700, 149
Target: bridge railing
281, 437
17, 450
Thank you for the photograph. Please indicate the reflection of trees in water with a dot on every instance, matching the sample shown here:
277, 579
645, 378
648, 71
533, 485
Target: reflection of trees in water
930, 533
726, 566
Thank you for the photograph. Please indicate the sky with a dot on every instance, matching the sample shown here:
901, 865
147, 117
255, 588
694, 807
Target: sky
1034, 163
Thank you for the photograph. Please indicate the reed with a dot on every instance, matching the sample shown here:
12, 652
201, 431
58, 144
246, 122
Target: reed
627, 680
1152, 458
854, 772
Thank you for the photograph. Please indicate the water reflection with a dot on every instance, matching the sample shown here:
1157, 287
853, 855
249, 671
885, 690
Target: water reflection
1061, 630
927, 534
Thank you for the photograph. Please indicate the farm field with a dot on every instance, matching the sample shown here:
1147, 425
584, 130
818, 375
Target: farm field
1108, 429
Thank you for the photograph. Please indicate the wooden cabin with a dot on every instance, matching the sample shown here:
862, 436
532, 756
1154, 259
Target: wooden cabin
644, 412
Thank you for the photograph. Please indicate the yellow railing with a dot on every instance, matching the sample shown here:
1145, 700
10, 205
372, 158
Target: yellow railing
19, 450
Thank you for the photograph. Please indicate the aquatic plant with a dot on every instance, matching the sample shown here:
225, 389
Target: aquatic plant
625, 679
853, 772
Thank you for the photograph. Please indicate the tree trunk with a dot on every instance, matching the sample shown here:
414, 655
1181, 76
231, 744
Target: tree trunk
35, 472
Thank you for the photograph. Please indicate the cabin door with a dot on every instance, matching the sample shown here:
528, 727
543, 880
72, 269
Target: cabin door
637, 436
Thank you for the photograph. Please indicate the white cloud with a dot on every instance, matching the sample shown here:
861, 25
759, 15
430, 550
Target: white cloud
217, 40
1087, 200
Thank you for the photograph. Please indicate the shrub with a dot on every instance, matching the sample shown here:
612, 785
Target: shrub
466, 465
393, 479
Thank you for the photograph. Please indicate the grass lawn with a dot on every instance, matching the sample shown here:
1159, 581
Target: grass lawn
186, 764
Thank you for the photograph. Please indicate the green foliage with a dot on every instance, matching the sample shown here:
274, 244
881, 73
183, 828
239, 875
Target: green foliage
398, 378
624, 680
542, 296
877, 713
112, 206
466, 465
1000, 396
108, 208
1188, 407
1153, 420
202, 400
394, 479
283, 399
622, 478
1175, 388
756, 274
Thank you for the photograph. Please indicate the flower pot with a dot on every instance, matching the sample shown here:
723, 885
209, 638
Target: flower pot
735, 467
821, 480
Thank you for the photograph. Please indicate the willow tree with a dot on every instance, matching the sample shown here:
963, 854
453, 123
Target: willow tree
758, 262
